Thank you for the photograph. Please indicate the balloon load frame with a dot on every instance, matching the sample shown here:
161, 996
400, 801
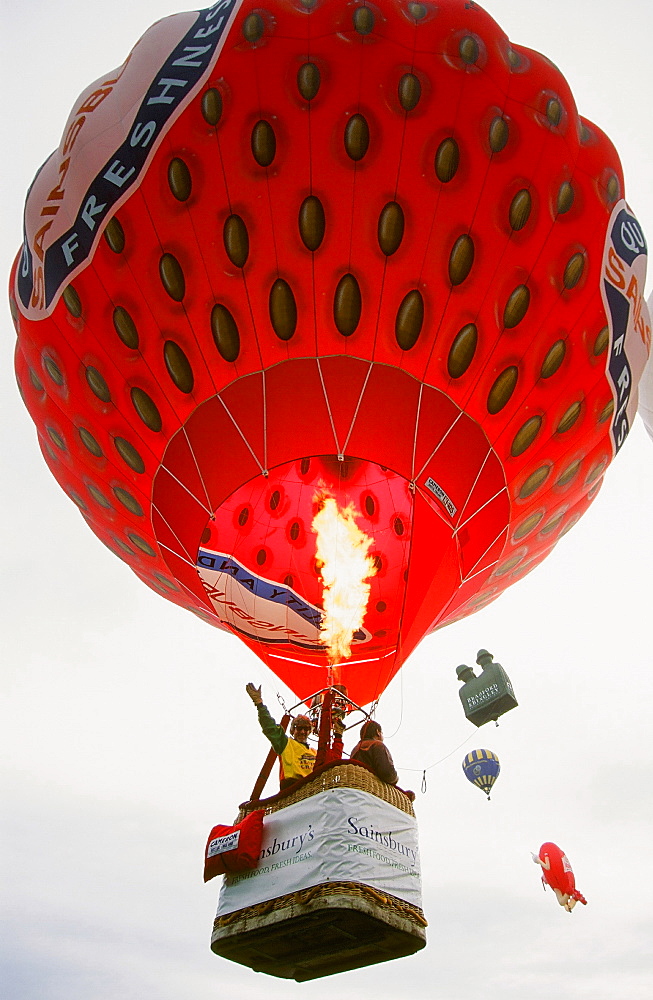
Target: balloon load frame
313, 251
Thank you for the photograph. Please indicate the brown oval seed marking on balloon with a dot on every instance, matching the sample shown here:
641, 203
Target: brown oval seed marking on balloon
417, 11
574, 270
236, 240
146, 409
308, 80
502, 389
509, 564
53, 370
584, 133
56, 438
294, 531
370, 506
114, 235
274, 500
304, 466
462, 350
347, 305
613, 188
98, 496
72, 301
311, 222
516, 306
569, 418
97, 384
498, 134
390, 230
553, 359
468, 49
554, 111
35, 380
178, 366
528, 525
461, 259
363, 20
601, 342
179, 179
606, 412
525, 436
566, 196
129, 454
534, 481
514, 59
569, 473
172, 277
243, 517
357, 137
447, 159
410, 317
264, 143
283, 309
520, 209
212, 106
125, 328
552, 524
89, 442
225, 332
261, 556
409, 91
122, 546
253, 27
596, 472
141, 544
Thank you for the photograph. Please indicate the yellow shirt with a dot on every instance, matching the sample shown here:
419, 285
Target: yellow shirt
297, 760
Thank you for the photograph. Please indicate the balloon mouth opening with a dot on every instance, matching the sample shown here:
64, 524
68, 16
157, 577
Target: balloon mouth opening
312, 556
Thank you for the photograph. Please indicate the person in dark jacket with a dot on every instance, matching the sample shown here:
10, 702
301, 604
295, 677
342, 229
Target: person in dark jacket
373, 752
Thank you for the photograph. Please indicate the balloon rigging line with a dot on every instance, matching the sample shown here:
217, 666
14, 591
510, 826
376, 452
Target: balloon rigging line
503, 489
439, 444
473, 487
328, 406
186, 557
419, 408
358, 405
197, 500
197, 466
235, 423
471, 573
265, 423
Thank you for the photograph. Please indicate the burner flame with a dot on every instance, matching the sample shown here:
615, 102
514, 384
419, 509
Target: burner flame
343, 559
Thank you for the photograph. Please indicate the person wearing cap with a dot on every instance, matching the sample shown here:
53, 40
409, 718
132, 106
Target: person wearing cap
296, 757
372, 751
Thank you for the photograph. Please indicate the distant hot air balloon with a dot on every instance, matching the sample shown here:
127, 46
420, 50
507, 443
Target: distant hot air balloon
557, 873
314, 252
482, 768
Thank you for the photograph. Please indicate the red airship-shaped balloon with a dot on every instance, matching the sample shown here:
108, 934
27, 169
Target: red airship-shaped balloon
558, 875
367, 252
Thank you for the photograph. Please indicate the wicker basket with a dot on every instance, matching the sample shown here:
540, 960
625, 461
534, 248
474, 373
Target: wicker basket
327, 928
348, 774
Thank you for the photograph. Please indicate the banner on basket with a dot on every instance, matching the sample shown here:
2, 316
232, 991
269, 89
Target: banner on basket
339, 835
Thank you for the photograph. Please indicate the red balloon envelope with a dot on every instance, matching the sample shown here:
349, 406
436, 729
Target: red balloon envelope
367, 251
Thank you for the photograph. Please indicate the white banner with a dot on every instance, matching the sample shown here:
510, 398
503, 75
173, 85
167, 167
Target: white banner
339, 835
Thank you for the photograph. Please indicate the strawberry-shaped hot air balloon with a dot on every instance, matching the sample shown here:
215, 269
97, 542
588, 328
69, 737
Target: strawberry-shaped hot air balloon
319, 256
558, 875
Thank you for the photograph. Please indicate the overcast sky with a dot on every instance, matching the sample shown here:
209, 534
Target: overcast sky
127, 730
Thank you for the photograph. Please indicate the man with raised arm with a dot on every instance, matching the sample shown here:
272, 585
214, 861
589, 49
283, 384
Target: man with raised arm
296, 757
